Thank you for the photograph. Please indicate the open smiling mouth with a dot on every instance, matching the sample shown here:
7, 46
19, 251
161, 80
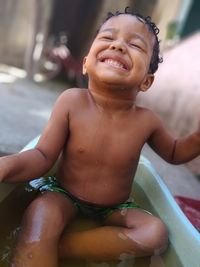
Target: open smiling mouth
115, 64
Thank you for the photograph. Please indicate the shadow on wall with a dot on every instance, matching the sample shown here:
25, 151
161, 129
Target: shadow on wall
175, 94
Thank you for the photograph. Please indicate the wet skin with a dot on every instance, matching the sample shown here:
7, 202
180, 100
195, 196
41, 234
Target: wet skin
99, 131
98, 134
106, 129
104, 178
102, 128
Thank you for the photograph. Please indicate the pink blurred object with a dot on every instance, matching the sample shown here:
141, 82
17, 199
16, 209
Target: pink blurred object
191, 208
175, 92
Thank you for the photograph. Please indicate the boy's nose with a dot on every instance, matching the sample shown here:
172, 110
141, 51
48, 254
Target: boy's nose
118, 46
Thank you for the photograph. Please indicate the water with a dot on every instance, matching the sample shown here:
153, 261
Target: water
12, 208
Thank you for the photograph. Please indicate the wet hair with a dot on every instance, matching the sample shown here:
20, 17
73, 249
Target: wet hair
156, 58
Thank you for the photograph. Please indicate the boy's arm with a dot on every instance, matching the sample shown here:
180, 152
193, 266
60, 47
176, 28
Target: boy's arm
23, 166
35, 162
175, 151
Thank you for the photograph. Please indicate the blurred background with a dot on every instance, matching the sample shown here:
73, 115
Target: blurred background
41, 50
30, 28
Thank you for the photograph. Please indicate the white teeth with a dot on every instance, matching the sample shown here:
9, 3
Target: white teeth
114, 63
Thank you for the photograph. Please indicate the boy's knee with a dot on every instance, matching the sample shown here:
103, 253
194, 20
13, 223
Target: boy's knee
42, 219
159, 237
152, 237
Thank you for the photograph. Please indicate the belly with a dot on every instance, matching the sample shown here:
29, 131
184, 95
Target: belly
99, 169
101, 186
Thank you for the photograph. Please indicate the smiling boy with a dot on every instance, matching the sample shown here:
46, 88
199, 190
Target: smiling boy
99, 133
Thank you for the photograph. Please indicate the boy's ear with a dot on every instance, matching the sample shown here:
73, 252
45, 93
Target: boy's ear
147, 82
84, 70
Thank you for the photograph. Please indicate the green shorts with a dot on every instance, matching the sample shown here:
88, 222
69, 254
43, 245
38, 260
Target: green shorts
88, 210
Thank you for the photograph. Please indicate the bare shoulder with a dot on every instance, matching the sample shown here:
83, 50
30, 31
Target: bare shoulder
73, 98
74, 93
145, 112
149, 117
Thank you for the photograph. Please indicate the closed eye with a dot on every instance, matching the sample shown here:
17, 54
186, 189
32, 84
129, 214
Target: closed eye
105, 36
136, 46
108, 38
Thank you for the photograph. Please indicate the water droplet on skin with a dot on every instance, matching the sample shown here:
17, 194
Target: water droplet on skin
30, 255
123, 212
122, 236
131, 199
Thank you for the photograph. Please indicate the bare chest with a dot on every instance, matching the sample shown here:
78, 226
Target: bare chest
107, 139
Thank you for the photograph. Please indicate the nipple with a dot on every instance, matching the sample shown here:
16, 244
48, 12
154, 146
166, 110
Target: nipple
80, 149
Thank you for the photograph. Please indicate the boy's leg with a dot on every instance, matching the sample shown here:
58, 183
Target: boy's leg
130, 232
42, 226
147, 232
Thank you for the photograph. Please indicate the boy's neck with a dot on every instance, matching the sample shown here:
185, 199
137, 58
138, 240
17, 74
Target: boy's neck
114, 99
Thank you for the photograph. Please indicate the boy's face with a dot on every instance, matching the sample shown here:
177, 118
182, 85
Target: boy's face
121, 53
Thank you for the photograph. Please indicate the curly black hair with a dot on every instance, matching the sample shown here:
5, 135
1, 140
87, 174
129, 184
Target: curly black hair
156, 58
